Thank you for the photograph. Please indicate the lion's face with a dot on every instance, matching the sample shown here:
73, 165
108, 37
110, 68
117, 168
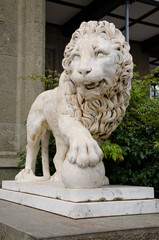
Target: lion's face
92, 67
98, 70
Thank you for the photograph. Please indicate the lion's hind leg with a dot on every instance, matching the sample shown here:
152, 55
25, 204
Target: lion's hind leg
61, 151
45, 155
35, 131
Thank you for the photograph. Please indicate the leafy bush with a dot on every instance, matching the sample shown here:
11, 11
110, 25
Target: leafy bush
138, 137
50, 78
112, 151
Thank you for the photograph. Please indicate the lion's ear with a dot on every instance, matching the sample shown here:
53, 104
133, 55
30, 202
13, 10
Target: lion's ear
67, 84
70, 88
65, 63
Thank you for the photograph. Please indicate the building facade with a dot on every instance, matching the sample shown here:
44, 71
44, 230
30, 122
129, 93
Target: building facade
22, 52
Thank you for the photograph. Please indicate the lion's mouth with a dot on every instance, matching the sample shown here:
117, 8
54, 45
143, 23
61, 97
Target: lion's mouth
93, 85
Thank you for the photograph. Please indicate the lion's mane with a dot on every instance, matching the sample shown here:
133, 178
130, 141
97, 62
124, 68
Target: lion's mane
102, 114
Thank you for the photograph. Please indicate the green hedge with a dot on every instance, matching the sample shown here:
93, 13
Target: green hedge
137, 138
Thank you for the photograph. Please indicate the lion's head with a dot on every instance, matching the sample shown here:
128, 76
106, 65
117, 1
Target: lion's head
99, 66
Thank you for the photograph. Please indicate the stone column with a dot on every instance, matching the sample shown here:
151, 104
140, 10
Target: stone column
22, 53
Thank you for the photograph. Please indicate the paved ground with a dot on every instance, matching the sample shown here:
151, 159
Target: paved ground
23, 223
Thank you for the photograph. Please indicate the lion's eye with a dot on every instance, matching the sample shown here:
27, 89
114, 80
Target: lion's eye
101, 54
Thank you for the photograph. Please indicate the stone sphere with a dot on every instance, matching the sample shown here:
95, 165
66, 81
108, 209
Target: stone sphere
76, 177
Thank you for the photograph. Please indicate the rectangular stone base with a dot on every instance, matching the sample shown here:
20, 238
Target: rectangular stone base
81, 203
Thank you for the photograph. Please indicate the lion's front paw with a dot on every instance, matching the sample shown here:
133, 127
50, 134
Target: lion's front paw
84, 151
25, 175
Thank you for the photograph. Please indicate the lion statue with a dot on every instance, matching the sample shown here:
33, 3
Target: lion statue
88, 105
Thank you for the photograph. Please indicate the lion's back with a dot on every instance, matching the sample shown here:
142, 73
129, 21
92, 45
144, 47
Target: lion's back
43, 98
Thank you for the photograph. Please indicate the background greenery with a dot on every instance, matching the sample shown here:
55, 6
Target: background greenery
131, 155
136, 149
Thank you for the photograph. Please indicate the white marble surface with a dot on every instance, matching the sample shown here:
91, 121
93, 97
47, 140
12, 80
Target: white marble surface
86, 107
58, 191
82, 210
77, 178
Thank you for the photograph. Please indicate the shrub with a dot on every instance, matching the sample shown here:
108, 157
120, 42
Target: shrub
50, 78
138, 138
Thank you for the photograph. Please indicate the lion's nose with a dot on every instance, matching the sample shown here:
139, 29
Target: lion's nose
84, 70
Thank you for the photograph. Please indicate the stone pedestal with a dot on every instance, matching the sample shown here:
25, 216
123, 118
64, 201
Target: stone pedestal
81, 203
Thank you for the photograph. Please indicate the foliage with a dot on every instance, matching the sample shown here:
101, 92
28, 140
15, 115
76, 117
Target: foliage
156, 144
50, 78
21, 156
112, 150
154, 78
138, 137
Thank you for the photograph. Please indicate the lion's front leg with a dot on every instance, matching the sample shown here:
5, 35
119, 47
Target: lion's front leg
83, 149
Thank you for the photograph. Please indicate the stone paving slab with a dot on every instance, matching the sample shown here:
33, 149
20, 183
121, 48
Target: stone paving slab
18, 222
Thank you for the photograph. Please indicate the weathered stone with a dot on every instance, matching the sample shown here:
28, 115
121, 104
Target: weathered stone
11, 139
78, 210
35, 11
88, 105
8, 106
7, 137
8, 172
9, 11
8, 39
34, 44
18, 222
8, 70
22, 52
57, 190
8, 159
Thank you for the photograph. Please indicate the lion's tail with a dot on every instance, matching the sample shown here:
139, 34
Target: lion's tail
45, 156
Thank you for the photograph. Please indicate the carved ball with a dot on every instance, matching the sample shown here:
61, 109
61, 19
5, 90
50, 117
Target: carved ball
76, 177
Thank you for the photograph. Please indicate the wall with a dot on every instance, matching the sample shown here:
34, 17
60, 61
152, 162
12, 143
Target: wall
22, 52
140, 58
55, 45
